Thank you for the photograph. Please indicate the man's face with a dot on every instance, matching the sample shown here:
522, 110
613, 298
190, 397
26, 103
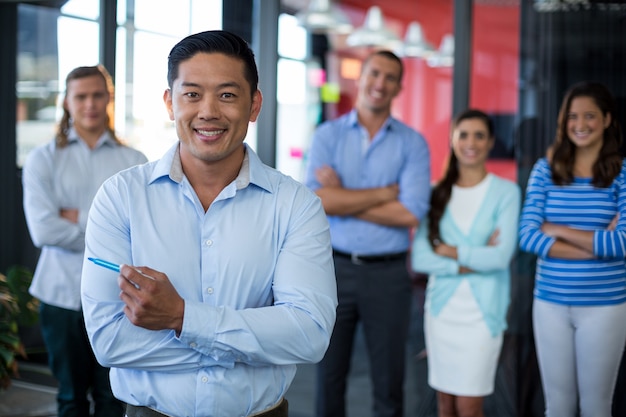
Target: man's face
379, 83
211, 104
86, 100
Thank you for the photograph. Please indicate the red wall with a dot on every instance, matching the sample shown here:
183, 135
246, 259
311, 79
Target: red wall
495, 68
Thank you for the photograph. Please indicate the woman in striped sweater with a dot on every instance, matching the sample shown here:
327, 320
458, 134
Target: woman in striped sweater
574, 220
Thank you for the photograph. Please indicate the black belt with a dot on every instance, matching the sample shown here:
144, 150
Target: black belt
370, 259
281, 410
140, 411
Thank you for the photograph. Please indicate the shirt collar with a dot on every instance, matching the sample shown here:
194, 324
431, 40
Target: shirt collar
353, 120
105, 138
251, 171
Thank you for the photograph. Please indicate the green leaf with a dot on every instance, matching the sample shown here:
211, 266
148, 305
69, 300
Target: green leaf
17, 307
19, 279
9, 339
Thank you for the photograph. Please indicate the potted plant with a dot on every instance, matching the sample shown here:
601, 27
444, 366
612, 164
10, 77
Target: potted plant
17, 308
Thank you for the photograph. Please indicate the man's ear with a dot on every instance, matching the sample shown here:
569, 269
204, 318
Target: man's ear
255, 108
167, 99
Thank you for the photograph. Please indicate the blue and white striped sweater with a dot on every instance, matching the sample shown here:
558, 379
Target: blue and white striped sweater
580, 205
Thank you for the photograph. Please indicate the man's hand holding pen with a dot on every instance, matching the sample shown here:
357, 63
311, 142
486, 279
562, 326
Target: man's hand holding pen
150, 299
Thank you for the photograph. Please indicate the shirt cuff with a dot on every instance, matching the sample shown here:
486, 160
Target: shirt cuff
546, 246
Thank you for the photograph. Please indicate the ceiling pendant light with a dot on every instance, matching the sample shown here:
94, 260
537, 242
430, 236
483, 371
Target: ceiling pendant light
373, 32
321, 16
444, 56
415, 44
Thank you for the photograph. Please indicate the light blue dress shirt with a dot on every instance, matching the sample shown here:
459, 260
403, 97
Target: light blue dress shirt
490, 281
54, 178
255, 271
396, 155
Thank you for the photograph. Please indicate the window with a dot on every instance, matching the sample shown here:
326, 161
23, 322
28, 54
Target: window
51, 42
297, 98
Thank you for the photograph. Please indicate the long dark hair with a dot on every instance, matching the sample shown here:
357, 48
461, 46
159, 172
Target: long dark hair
562, 153
440, 195
65, 124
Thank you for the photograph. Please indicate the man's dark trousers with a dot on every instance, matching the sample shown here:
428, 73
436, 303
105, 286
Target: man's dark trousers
377, 294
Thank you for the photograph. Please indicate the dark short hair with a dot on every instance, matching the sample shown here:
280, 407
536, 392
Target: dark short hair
213, 41
386, 54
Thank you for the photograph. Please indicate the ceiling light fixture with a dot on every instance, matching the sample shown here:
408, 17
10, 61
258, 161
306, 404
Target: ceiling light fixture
373, 32
321, 16
415, 44
444, 56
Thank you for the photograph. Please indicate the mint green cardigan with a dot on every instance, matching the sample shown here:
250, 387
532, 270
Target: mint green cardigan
490, 283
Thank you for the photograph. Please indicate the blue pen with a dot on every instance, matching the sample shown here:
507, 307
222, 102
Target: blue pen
115, 267
105, 264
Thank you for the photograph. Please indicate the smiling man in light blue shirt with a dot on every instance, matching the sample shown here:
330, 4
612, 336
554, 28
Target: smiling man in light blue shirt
372, 173
232, 280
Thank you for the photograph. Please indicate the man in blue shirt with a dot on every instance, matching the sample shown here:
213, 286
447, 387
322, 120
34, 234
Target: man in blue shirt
372, 173
232, 281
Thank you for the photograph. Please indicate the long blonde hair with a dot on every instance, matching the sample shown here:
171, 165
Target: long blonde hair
65, 123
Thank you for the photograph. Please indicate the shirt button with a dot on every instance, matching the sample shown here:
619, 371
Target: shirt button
208, 242
209, 290
193, 344
205, 379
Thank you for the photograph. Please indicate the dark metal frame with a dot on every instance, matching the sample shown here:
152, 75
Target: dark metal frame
463, 14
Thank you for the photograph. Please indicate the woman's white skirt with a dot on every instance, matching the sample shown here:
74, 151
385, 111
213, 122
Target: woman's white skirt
462, 353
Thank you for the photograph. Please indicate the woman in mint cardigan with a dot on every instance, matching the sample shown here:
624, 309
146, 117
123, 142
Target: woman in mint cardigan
465, 246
